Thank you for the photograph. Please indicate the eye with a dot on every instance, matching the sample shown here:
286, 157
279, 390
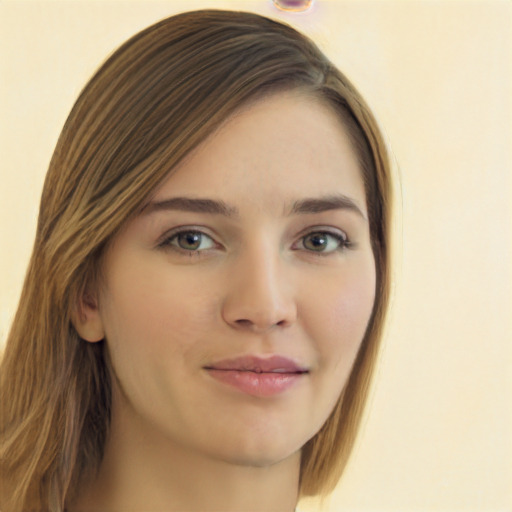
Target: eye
189, 240
324, 242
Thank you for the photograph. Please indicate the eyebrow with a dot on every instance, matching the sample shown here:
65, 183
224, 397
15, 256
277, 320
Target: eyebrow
303, 206
188, 204
326, 203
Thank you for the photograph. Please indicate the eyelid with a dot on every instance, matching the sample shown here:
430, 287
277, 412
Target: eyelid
164, 241
325, 229
339, 234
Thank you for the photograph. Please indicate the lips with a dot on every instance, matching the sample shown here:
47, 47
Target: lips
273, 364
258, 376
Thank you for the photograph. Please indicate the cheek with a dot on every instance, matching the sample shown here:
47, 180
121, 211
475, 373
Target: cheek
154, 311
341, 316
152, 327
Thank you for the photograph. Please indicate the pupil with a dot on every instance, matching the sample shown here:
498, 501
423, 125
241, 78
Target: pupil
190, 240
317, 241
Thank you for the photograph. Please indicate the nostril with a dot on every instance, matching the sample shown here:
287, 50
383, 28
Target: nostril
243, 322
254, 325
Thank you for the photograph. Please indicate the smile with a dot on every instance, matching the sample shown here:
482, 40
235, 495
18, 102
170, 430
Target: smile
256, 376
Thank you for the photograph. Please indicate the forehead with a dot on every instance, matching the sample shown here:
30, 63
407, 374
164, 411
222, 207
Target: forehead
276, 149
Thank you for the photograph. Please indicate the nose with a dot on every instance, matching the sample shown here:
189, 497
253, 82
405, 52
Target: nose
259, 297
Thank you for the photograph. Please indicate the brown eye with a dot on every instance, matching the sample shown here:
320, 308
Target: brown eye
189, 241
323, 242
193, 241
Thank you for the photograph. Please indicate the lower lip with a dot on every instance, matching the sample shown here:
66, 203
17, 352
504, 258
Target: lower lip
257, 384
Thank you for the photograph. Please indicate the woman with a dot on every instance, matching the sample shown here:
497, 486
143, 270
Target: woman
203, 306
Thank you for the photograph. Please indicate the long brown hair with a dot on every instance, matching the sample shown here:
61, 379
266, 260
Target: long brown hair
155, 99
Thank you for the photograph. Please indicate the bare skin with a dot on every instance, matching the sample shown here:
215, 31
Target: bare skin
281, 264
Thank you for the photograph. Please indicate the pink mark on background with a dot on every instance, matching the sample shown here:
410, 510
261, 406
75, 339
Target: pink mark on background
293, 5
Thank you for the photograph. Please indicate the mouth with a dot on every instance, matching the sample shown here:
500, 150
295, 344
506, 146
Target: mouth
256, 364
257, 376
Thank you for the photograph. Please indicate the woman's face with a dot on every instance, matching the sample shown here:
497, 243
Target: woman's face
234, 305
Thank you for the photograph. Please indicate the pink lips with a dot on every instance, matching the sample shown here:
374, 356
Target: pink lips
258, 376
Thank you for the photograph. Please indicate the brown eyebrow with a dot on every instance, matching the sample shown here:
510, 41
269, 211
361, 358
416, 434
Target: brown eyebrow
192, 205
323, 204
216, 207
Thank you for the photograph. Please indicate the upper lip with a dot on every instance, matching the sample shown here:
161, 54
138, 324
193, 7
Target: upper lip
257, 364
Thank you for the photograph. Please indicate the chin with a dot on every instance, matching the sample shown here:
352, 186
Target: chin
260, 460
257, 451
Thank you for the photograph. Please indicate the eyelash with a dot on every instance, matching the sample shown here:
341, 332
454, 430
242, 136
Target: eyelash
167, 243
341, 239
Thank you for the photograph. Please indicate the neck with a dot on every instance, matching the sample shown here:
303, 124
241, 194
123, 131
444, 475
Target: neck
143, 470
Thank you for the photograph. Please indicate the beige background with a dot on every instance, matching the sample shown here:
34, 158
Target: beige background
438, 435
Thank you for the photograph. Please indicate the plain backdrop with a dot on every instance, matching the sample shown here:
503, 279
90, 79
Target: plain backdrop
438, 432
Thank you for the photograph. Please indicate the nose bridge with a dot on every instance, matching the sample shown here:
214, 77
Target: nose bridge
259, 296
